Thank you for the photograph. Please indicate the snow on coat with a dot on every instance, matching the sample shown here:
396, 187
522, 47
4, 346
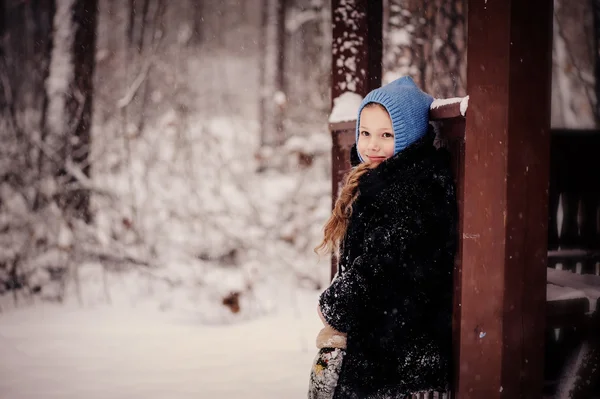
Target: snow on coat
392, 295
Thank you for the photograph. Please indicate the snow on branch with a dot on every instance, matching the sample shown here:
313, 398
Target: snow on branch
298, 18
73, 170
130, 94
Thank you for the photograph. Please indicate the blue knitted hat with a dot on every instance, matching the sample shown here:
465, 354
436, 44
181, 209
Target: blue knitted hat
408, 108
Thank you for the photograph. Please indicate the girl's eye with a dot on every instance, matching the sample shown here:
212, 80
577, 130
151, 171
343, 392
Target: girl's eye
388, 135
364, 133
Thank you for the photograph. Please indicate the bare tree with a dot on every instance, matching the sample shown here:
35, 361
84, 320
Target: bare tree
131, 24
263, 68
272, 66
308, 63
426, 39
280, 98
46, 74
399, 37
197, 21
70, 94
24, 67
596, 51
445, 70
574, 95
138, 15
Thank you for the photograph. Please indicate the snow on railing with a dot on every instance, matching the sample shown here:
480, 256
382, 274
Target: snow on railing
345, 107
442, 108
579, 285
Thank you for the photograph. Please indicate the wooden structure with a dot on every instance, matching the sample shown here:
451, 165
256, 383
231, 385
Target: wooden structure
502, 161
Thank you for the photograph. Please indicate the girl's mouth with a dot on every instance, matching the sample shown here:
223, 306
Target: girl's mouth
376, 159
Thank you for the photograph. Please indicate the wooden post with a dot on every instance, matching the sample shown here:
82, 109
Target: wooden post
357, 46
356, 67
505, 218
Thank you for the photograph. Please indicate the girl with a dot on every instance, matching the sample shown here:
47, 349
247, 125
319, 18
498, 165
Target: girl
388, 311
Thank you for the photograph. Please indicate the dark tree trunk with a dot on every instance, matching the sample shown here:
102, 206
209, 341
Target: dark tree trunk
280, 86
143, 23
29, 32
156, 24
596, 13
198, 21
26, 32
2, 17
70, 94
131, 25
85, 15
262, 60
45, 51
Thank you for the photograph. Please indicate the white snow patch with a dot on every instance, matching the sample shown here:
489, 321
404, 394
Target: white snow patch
68, 352
400, 37
279, 98
345, 107
558, 293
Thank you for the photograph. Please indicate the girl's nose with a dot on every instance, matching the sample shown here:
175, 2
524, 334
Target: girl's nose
374, 145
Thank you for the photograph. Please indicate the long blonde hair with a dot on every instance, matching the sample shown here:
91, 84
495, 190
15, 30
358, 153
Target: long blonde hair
336, 226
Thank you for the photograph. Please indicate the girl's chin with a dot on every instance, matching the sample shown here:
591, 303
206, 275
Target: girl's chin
374, 164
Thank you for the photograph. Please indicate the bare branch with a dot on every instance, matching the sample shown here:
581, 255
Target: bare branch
130, 94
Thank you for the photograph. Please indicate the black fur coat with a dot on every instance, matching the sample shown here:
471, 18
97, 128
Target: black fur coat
393, 291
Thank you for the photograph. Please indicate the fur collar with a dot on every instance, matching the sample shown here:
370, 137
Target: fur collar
394, 170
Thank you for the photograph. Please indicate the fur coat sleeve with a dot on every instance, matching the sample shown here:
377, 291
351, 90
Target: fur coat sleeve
388, 241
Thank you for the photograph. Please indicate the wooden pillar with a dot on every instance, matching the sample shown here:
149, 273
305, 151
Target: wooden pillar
356, 67
504, 249
357, 46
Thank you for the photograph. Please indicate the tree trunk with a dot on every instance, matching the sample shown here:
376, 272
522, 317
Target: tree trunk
596, 52
427, 40
272, 44
143, 23
280, 98
262, 61
45, 65
400, 54
131, 25
85, 17
198, 21
24, 63
574, 102
445, 71
2, 24
70, 92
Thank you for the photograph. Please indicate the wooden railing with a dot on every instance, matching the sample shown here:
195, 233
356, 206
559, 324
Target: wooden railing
574, 201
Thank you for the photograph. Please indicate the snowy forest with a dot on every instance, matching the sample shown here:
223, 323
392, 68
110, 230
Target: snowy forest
174, 158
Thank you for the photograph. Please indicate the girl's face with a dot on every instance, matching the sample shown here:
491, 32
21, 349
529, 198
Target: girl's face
375, 135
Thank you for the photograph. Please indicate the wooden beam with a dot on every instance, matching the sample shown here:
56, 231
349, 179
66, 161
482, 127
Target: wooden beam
505, 199
356, 67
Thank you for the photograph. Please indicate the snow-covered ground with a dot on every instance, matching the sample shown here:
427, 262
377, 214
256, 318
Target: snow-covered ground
69, 352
